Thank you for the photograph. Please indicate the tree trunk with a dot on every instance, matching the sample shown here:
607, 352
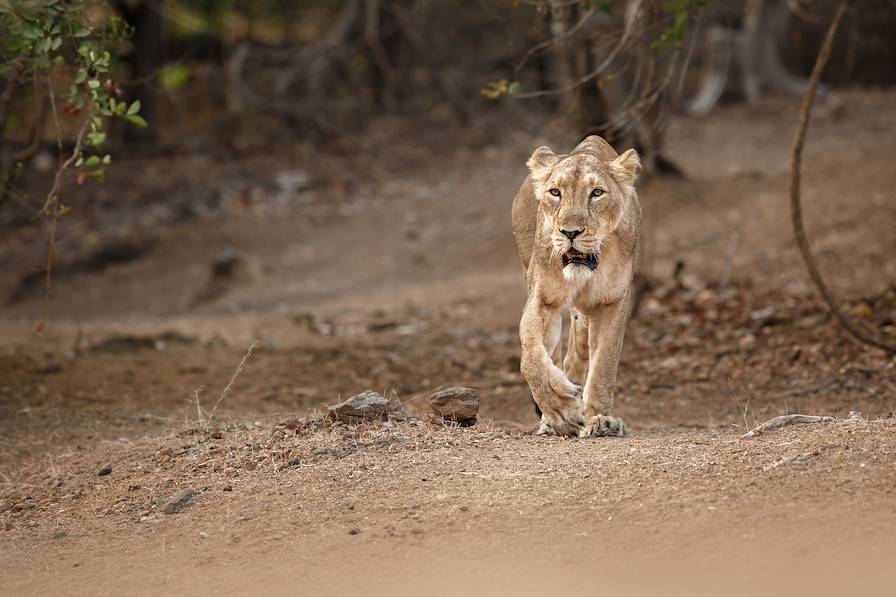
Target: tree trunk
148, 20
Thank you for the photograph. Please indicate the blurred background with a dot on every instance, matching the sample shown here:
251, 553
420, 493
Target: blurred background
219, 217
333, 180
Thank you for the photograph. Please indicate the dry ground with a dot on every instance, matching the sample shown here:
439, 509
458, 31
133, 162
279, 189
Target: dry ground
394, 270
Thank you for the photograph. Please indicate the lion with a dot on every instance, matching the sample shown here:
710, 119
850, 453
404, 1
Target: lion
576, 220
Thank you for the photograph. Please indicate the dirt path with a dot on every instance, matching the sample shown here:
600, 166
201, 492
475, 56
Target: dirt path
409, 280
410, 507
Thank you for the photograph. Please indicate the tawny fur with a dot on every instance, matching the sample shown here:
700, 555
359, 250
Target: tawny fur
599, 300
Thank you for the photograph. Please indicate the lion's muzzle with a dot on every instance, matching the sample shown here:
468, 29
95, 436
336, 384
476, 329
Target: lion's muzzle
576, 257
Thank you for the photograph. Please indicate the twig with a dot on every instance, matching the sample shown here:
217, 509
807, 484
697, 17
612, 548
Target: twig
229, 385
553, 40
797, 459
632, 17
51, 203
785, 420
796, 215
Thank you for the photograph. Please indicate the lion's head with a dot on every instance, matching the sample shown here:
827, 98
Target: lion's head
584, 199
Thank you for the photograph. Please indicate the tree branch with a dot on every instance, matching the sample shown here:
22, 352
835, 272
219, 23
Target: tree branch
796, 215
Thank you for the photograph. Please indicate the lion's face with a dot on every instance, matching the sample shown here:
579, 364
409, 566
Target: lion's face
584, 199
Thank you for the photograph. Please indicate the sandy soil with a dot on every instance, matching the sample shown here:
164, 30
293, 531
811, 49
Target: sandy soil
390, 266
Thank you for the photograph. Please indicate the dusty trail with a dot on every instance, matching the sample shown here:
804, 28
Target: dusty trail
438, 510
429, 292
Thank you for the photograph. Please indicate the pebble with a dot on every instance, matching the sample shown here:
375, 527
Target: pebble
179, 501
106, 470
367, 405
456, 403
203, 535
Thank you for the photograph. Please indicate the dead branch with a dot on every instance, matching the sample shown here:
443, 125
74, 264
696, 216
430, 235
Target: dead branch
547, 43
784, 420
796, 215
632, 17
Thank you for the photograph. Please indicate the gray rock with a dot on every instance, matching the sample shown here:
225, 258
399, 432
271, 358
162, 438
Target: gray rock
179, 501
367, 405
456, 403
106, 470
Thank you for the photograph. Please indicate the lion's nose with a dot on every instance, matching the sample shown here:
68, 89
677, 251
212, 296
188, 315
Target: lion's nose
571, 234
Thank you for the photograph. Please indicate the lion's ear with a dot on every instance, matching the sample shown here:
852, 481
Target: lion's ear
625, 168
541, 162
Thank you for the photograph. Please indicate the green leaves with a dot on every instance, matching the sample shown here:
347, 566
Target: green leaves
68, 46
174, 76
599, 6
137, 121
673, 36
495, 89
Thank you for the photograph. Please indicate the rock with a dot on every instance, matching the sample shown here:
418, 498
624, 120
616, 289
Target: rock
106, 470
179, 501
367, 405
456, 403
225, 265
747, 342
203, 535
354, 531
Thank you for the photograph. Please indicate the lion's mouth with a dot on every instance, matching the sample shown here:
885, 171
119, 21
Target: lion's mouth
589, 260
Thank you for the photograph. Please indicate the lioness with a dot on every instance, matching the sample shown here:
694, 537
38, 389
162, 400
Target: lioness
576, 220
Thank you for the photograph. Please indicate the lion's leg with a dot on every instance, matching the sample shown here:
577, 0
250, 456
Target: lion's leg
575, 363
552, 335
555, 395
606, 327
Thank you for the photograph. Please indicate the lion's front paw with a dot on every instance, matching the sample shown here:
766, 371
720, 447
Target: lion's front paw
604, 426
562, 386
564, 418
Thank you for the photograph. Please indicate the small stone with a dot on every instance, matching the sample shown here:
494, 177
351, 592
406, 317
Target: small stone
106, 470
203, 535
179, 501
456, 403
250, 465
748, 341
862, 310
227, 488
367, 405
354, 531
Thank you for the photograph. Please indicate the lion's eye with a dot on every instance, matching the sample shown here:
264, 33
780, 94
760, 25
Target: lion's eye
597, 193
554, 192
